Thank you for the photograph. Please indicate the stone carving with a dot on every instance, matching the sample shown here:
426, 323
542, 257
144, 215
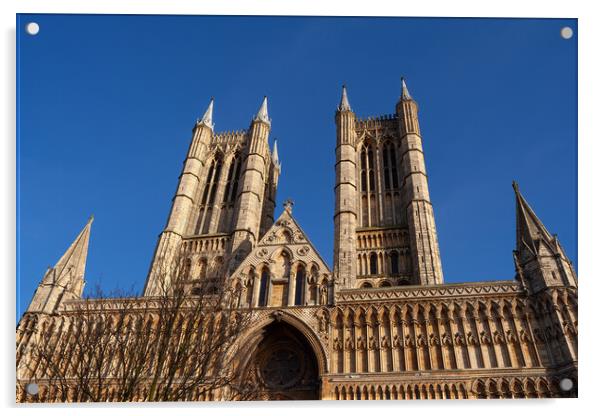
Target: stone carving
277, 315
524, 337
323, 295
372, 343
337, 345
446, 339
397, 342
485, 338
349, 344
303, 250
323, 321
384, 342
471, 338
361, 344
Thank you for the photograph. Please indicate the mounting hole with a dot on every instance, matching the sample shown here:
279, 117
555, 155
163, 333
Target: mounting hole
566, 32
32, 28
32, 389
566, 384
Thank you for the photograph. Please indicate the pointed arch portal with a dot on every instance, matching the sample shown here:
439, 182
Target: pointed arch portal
282, 364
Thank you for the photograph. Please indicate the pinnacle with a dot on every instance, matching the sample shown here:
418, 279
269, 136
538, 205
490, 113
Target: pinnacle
207, 119
275, 153
72, 264
262, 114
405, 93
344, 105
529, 226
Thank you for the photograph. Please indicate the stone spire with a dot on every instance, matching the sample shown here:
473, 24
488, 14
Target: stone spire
540, 260
275, 158
208, 116
262, 114
405, 93
529, 228
344, 105
66, 279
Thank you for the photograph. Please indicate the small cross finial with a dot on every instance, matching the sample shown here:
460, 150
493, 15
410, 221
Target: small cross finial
288, 205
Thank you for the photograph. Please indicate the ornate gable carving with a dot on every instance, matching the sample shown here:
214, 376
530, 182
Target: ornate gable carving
285, 234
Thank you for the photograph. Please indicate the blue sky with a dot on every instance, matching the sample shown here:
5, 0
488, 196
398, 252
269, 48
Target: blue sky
106, 105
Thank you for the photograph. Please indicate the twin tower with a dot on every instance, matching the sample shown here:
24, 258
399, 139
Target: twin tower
385, 231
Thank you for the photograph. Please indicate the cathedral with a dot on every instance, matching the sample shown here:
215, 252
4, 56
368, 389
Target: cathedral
380, 323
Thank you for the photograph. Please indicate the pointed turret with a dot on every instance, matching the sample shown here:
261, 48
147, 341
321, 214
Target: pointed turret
208, 116
253, 211
275, 157
540, 260
529, 228
407, 111
424, 244
345, 211
344, 105
182, 207
262, 114
405, 93
66, 279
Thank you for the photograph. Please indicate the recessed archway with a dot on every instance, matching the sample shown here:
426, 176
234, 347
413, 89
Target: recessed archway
282, 364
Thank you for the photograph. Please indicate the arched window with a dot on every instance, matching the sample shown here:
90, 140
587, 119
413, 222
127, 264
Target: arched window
390, 166
299, 285
212, 180
371, 169
394, 262
366, 285
367, 169
363, 172
286, 236
393, 161
385, 283
263, 287
232, 181
202, 268
373, 264
386, 166
207, 182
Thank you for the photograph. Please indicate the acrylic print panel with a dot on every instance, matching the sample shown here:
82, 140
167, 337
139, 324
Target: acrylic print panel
240, 208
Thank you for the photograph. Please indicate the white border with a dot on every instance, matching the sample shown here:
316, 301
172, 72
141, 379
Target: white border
590, 207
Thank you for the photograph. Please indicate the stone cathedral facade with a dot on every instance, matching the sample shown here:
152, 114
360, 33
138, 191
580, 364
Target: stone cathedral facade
381, 324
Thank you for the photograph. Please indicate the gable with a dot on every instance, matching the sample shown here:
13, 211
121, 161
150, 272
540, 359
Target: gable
284, 238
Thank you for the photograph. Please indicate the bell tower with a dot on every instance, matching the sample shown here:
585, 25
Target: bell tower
226, 191
385, 231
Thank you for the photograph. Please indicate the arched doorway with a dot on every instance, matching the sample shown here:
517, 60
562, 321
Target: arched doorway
283, 365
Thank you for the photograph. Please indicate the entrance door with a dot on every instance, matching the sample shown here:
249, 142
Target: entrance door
284, 365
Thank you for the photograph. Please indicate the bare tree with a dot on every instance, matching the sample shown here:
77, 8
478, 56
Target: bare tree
178, 345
